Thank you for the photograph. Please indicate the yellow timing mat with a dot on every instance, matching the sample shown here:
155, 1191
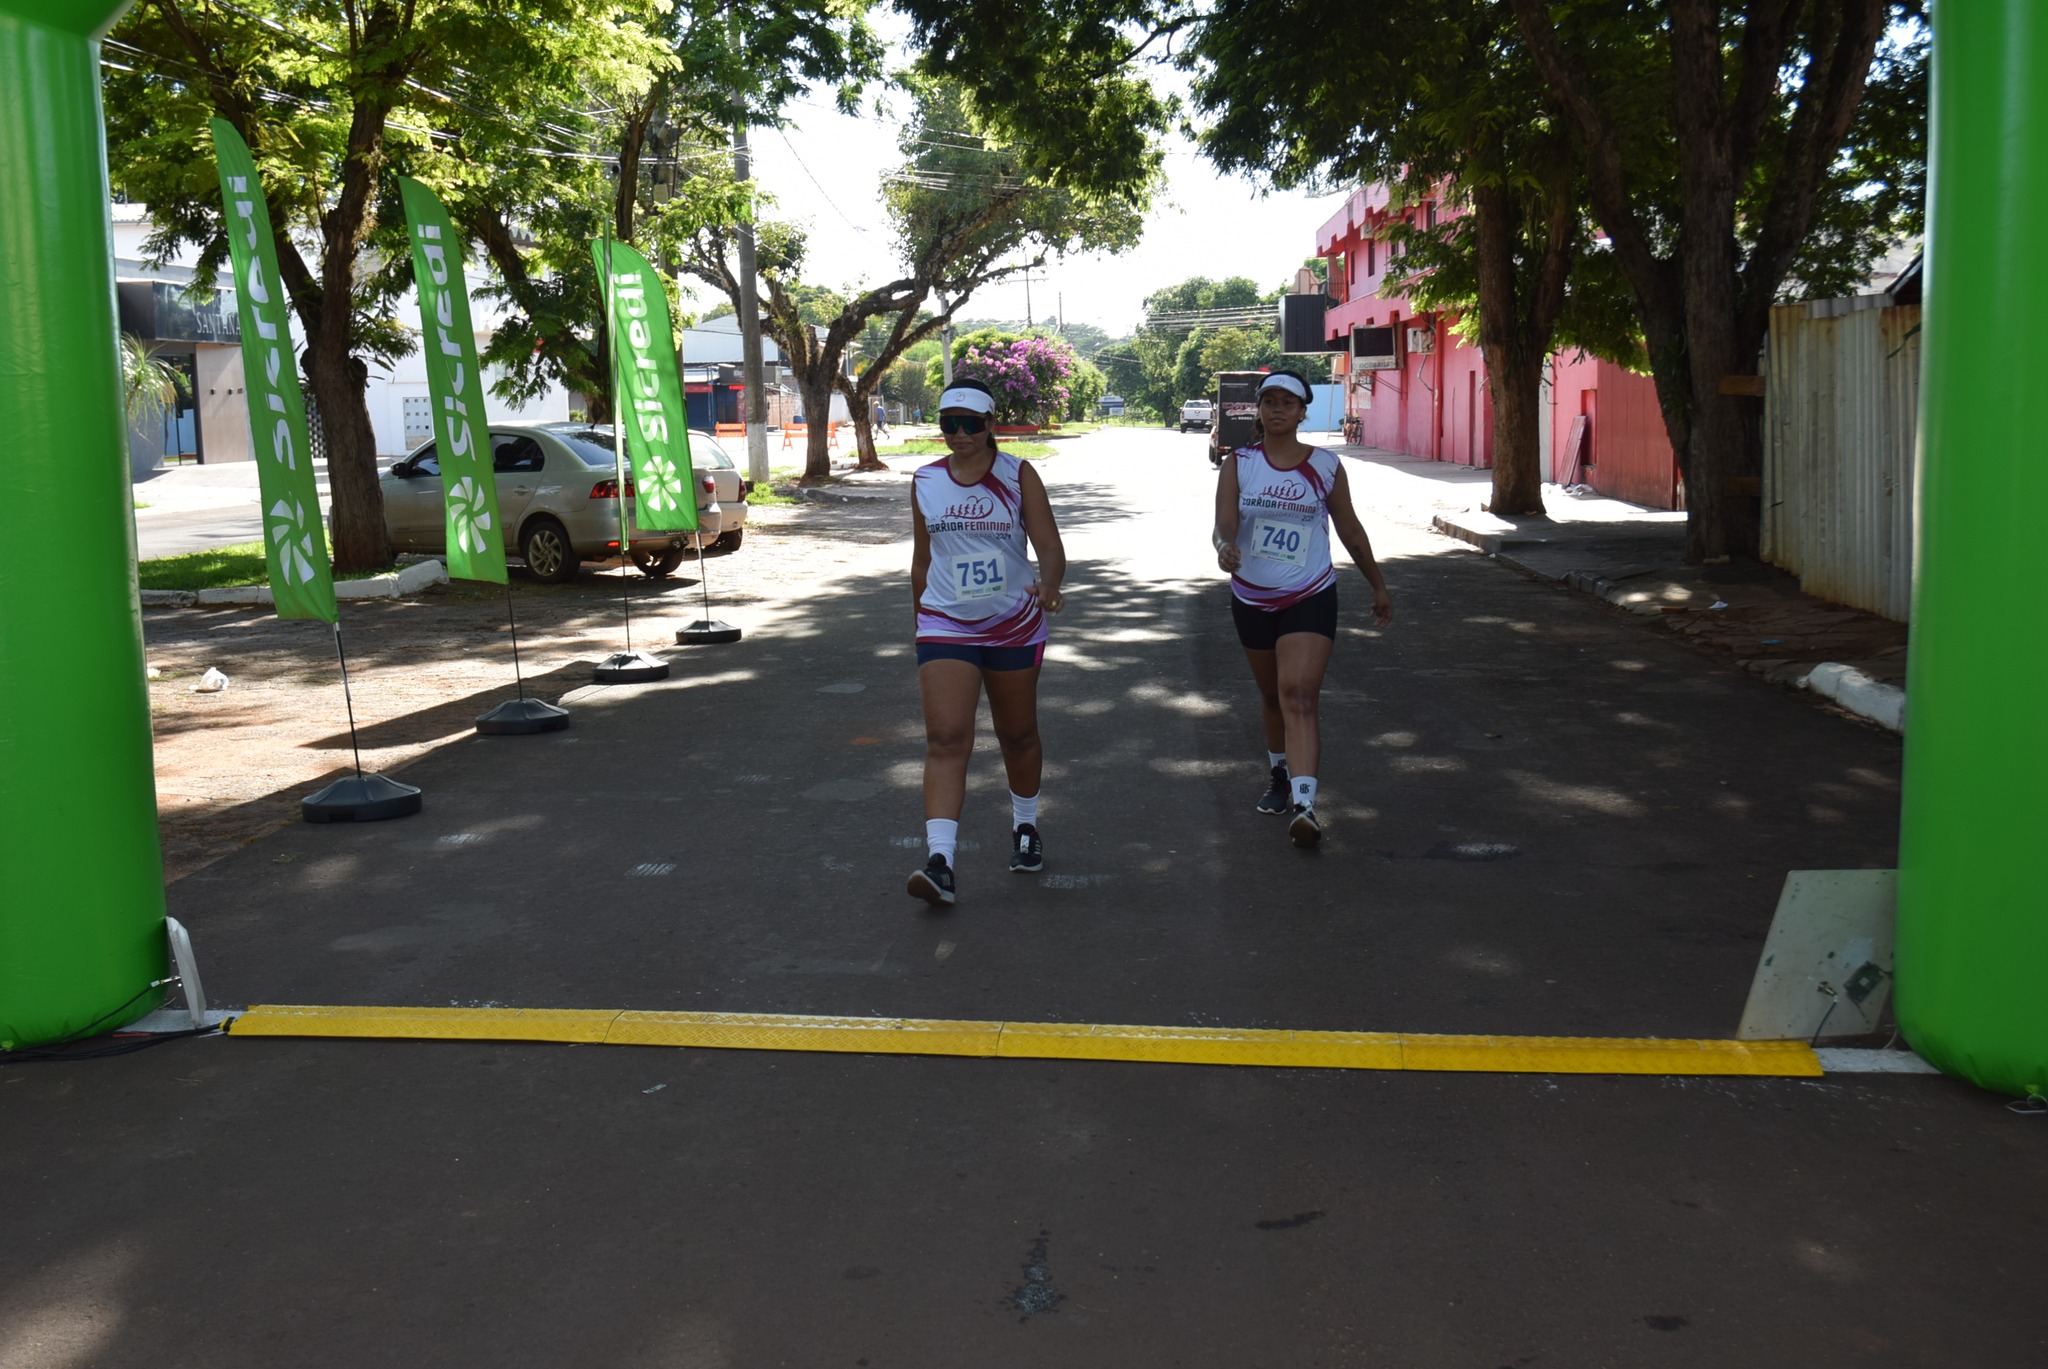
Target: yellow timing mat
1045, 1040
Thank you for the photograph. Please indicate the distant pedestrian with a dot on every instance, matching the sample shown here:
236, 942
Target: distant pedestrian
1275, 502
881, 417
980, 624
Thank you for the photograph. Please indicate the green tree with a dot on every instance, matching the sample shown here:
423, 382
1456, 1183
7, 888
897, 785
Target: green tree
660, 176
1085, 387
149, 385
331, 100
967, 209
1725, 147
1730, 156
1441, 104
908, 385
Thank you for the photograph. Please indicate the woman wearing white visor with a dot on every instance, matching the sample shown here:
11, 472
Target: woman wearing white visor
1275, 503
980, 624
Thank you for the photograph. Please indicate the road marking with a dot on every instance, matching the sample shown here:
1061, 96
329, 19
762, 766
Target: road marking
1047, 1040
461, 839
652, 869
1072, 881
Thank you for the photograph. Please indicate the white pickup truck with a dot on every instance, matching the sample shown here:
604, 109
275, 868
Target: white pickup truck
1197, 413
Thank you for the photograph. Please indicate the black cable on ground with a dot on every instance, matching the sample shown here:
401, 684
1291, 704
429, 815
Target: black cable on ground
53, 1055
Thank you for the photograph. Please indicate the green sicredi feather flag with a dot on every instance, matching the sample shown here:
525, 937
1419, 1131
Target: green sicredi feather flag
647, 384
294, 541
476, 535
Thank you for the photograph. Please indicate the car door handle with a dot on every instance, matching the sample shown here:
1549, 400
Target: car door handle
522, 489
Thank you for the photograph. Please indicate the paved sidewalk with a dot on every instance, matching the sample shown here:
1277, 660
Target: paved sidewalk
1634, 558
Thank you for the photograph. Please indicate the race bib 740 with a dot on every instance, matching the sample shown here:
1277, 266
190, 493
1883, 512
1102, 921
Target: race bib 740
1276, 540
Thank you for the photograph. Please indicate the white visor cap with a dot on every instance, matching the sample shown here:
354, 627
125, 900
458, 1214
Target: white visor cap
979, 401
1287, 383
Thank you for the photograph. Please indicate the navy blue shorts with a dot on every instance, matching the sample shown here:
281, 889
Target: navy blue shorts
1261, 629
984, 657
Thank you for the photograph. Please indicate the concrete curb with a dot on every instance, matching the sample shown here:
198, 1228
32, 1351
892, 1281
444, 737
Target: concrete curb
1848, 687
395, 585
1884, 704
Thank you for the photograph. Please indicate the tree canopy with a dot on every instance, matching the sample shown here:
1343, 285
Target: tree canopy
332, 101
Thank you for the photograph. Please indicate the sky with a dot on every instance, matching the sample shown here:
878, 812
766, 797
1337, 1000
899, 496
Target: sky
825, 172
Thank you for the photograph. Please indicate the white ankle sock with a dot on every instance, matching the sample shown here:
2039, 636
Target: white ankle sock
942, 837
1305, 790
1275, 759
1023, 811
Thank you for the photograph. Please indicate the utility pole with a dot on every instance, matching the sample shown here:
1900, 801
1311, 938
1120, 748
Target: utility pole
946, 342
750, 307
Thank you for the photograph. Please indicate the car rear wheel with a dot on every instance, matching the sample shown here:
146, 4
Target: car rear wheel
546, 550
658, 565
729, 542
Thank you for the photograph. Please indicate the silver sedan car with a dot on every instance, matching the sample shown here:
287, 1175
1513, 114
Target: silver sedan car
557, 498
722, 528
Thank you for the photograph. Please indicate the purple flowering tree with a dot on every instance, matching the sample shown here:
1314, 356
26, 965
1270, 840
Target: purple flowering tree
1027, 374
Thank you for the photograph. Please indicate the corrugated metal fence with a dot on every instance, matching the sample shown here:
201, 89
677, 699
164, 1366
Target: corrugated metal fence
1841, 409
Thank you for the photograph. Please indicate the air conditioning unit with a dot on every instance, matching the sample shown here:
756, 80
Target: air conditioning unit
1422, 341
1373, 349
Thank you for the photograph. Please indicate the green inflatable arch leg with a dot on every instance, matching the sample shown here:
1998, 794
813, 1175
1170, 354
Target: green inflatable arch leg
83, 934
1972, 953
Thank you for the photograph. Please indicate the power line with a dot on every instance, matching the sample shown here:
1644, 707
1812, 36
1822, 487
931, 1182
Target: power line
814, 181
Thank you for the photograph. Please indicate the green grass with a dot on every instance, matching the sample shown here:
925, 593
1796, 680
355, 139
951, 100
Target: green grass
218, 568
1028, 451
768, 495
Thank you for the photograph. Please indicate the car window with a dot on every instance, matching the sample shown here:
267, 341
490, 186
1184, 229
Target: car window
705, 452
425, 461
592, 446
512, 452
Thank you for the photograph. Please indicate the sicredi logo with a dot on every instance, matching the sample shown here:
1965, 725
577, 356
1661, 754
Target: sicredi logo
455, 423
647, 413
258, 289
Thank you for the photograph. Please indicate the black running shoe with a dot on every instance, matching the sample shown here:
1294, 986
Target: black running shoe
1278, 797
1029, 856
1306, 829
934, 883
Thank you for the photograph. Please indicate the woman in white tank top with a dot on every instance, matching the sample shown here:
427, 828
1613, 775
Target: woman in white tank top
1275, 504
981, 624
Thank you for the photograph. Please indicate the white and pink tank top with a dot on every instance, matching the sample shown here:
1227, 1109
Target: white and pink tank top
976, 591
1283, 529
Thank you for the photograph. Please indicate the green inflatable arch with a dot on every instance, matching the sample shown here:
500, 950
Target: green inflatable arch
1972, 955
82, 941
82, 937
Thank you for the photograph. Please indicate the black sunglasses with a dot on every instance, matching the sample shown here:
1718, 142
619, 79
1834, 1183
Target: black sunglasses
962, 423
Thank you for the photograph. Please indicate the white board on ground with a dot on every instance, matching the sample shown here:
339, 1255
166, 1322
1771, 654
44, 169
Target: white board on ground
1826, 970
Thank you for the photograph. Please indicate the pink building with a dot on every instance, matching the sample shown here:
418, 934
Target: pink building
1433, 402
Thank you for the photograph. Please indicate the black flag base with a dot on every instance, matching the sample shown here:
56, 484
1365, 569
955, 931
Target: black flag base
361, 798
630, 667
522, 717
707, 632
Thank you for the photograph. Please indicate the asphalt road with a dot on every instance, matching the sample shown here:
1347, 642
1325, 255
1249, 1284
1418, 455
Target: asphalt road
1545, 818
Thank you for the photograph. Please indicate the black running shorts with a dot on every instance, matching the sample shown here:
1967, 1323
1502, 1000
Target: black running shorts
1261, 629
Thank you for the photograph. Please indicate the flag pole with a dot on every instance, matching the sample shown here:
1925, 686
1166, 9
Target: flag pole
706, 631
359, 797
521, 716
628, 666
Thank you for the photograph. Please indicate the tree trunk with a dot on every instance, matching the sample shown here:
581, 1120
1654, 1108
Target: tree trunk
1514, 361
860, 402
1517, 387
817, 389
338, 381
